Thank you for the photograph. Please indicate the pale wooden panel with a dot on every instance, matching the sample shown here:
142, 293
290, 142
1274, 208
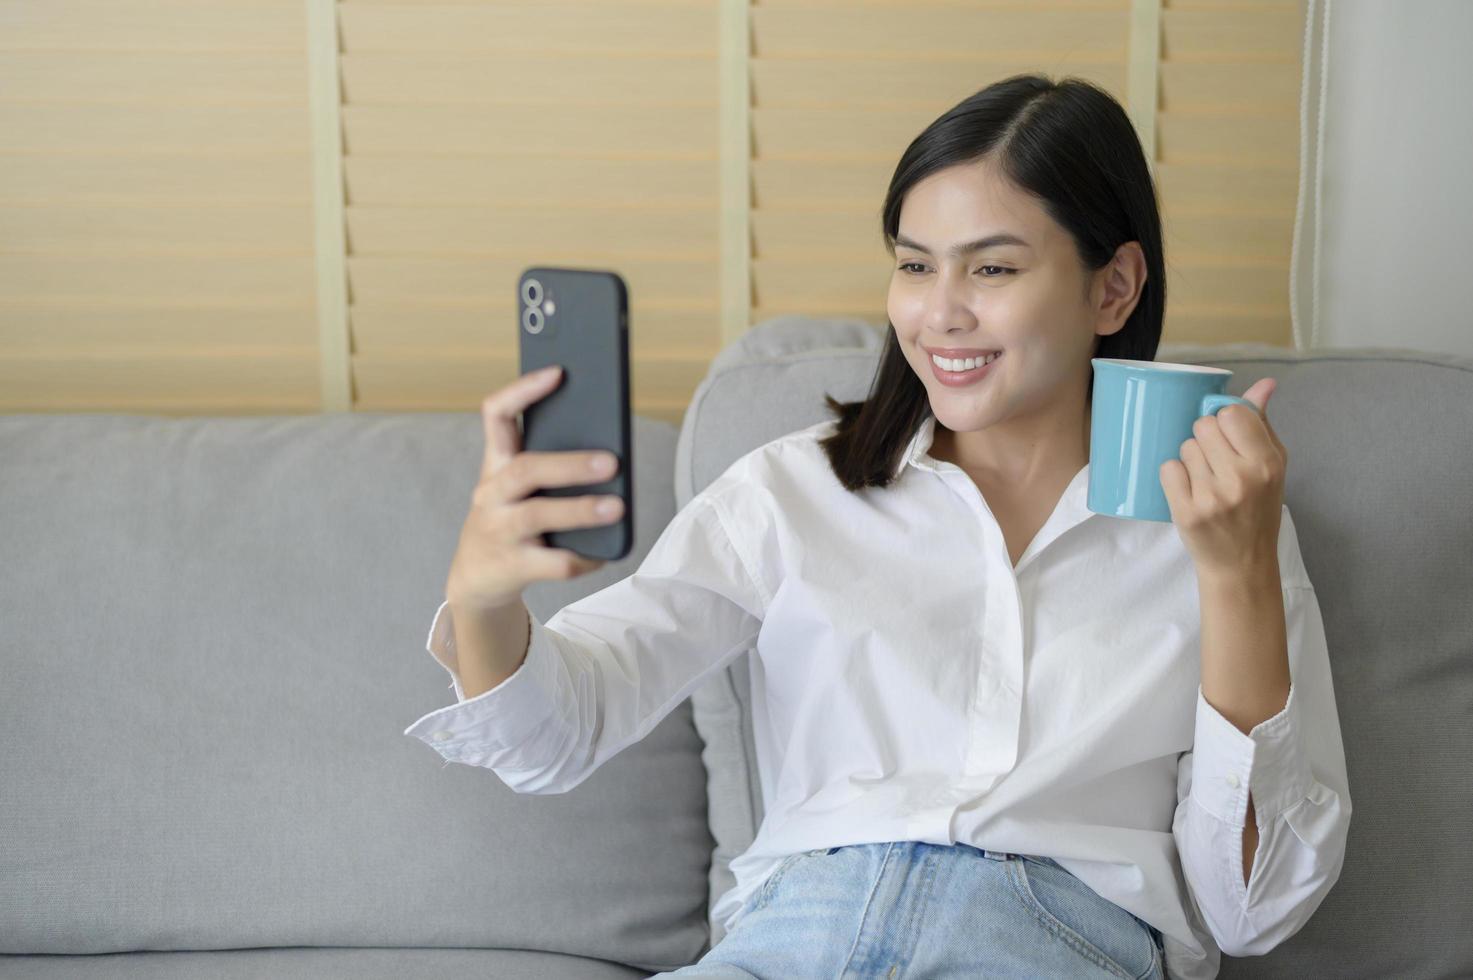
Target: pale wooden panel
1233, 32
265, 178
874, 314
466, 376
181, 380
640, 131
1196, 86
108, 325
1035, 32
206, 131
865, 82
1206, 188
829, 232
783, 183
158, 25
542, 181
246, 229
688, 334
250, 280
840, 134
241, 77
1217, 138
826, 282
617, 232
396, 280
1227, 328
630, 28
548, 78
1261, 287
1205, 238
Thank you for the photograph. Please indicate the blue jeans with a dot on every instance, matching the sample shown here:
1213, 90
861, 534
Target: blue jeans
910, 909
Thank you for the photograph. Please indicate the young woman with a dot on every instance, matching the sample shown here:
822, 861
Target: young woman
998, 735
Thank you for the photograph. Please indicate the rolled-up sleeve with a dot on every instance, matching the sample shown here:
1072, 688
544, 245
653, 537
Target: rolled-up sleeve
604, 670
1294, 766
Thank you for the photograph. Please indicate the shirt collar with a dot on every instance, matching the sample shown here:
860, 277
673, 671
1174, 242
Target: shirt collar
1073, 504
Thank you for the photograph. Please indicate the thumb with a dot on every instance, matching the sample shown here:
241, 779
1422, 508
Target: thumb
1260, 392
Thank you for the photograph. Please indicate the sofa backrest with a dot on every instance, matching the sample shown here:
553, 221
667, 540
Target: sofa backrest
1381, 462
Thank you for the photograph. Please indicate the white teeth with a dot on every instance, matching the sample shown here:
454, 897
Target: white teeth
963, 364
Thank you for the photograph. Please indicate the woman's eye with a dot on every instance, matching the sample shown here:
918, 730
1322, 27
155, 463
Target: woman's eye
1001, 270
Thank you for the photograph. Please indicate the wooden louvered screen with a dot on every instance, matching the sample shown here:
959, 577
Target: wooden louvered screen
300, 205
155, 208
1228, 167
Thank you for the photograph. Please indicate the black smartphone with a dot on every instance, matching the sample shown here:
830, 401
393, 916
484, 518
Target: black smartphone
579, 319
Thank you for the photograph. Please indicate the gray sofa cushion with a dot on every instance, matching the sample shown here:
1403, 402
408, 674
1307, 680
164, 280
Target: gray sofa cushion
1381, 460
213, 638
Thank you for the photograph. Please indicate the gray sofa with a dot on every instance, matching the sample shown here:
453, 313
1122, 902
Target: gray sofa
212, 635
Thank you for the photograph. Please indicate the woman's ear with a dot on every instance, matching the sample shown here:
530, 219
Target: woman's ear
1119, 286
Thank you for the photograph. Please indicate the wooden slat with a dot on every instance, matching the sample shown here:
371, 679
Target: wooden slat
530, 181
329, 228
258, 178
252, 280
834, 134
1260, 287
1217, 138
734, 156
75, 328
78, 380
1233, 32
1198, 86
615, 232
1227, 189
103, 230
897, 32
780, 283
829, 232
153, 77
1186, 327
690, 334
456, 77
1205, 238
863, 82
158, 25
781, 183
632, 132
468, 375
632, 29
395, 280
202, 131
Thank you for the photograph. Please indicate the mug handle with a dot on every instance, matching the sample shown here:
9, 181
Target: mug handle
1212, 404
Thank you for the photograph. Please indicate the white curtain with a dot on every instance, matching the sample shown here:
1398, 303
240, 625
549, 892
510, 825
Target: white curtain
1383, 240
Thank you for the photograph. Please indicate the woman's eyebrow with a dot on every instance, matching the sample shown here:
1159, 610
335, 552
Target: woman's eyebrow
1003, 238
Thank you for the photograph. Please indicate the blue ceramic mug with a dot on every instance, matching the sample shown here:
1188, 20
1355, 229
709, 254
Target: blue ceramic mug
1141, 413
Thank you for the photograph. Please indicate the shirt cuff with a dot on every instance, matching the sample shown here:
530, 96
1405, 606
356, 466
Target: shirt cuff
1269, 761
496, 727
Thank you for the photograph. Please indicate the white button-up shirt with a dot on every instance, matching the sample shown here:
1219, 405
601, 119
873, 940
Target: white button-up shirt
910, 683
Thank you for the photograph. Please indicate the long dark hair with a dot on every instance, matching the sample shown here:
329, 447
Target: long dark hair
1072, 145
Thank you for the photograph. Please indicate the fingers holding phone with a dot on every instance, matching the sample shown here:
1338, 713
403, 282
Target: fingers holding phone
501, 549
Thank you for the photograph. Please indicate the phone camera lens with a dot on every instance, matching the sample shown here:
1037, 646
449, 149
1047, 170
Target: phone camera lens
532, 319
531, 292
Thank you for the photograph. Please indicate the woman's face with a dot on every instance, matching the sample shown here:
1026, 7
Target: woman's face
1031, 299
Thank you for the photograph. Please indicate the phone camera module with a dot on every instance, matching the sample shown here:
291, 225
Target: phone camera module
532, 319
531, 292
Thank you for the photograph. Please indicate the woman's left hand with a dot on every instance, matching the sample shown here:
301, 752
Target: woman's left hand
1226, 492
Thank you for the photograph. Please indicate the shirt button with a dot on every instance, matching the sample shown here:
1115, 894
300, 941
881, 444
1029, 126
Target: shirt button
1232, 780
442, 736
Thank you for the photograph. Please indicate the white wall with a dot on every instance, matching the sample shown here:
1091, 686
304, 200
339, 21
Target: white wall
1395, 263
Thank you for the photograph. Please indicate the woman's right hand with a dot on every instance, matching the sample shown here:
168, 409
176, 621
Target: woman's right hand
501, 550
